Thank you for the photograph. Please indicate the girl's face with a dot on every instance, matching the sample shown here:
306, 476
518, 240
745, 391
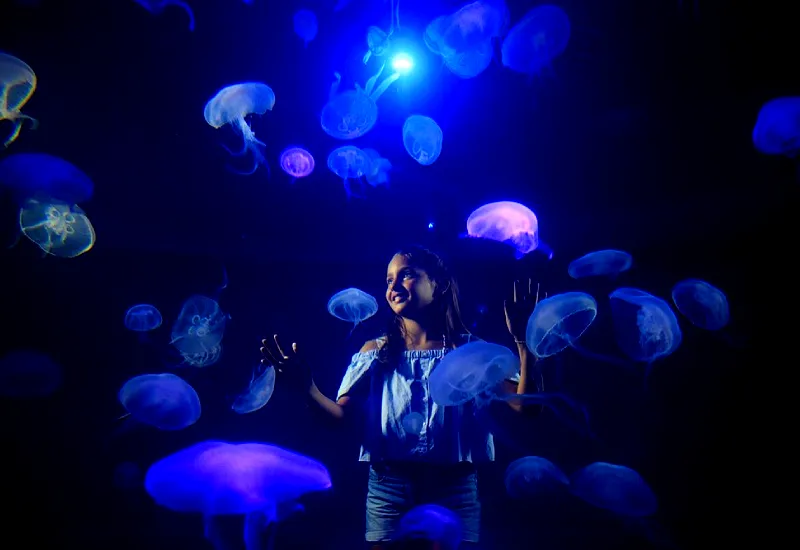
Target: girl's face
408, 288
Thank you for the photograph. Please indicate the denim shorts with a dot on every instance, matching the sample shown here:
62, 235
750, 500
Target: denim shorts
395, 488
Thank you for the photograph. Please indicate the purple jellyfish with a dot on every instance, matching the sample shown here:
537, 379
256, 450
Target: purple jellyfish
297, 162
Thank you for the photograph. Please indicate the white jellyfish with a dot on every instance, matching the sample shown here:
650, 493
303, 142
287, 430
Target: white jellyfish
17, 84
58, 228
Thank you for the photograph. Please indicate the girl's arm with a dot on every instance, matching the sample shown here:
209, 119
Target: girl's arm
526, 384
335, 409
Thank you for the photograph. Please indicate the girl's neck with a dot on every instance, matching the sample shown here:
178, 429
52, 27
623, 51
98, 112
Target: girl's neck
419, 335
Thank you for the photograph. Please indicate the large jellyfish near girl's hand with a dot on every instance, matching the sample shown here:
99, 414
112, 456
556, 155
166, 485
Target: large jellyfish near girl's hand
533, 43
618, 489
558, 321
777, 129
157, 6
349, 162
232, 104
165, 401
506, 222
422, 139
352, 305
58, 228
645, 327
17, 84
258, 392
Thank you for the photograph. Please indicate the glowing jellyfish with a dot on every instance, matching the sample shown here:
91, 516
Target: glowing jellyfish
506, 222
157, 6
232, 104
352, 305
57, 228
618, 489
558, 322
422, 139
470, 63
533, 43
377, 42
29, 175
200, 325
297, 162
217, 478
777, 129
378, 172
305, 25
433, 523
202, 359
353, 113
258, 392
600, 263
27, 373
645, 327
474, 371
17, 84
533, 476
165, 401
702, 303
143, 318
348, 162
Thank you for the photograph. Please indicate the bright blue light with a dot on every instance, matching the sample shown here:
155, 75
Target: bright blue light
402, 63
430, 225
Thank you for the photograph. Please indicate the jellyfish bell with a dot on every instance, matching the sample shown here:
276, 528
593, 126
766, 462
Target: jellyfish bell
143, 318
231, 105
349, 163
558, 322
538, 38
379, 167
431, 522
702, 303
157, 6
28, 175
422, 139
297, 162
17, 84
645, 327
507, 222
616, 488
533, 476
600, 263
352, 305
258, 392
305, 25
164, 401
58, 228
777, 128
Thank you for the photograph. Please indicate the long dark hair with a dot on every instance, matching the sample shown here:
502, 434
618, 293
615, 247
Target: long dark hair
445, 303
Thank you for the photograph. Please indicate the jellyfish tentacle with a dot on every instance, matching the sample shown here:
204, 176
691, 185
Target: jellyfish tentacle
185, 7
335, 86
367, 56
384, 86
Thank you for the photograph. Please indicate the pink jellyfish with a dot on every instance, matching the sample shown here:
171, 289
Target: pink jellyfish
506, 222
297, 162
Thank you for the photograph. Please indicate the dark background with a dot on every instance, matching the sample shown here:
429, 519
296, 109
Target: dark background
638, 139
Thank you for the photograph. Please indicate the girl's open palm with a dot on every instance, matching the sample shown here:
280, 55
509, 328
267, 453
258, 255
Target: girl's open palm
288, 364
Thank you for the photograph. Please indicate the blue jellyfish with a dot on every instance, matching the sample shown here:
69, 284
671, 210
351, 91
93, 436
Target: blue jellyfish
422, 139
232, 104
258, 392
352, 305
533, 43
533, 476
28, 175
558, 322
297, 162
27, 373
59, 229
378, 172
165, 401
618, 489
157, 6
252, 479
777, 129
17, 84
470, 63
645, 327
600, 263
200, 325
378, 43
305, 25
349, 162
353, 113
433, 523
202, 359
506, 222
703, 304
143, 318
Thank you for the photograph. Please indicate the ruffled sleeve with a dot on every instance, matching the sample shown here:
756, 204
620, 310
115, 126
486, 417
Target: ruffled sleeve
356, 372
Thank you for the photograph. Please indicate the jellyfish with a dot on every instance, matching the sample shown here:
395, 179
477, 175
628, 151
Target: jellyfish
558, 322
539, 37
17, 84
200, 325
165, 401
377, 42
258, 392
305, 25
59, 229
645, 327
29, 175
348, 162
157, 6
353, 113
470, 63
413, 423
297, 162
143, 318
28, 373
202, 359
422, 139
532, 476
232, 104
218, 478
352, 305
506, 222
618, 489
777, 129
600, 263
378, 173
703, 304
433, 523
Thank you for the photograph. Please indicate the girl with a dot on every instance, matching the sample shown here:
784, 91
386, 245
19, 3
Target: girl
431, 459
